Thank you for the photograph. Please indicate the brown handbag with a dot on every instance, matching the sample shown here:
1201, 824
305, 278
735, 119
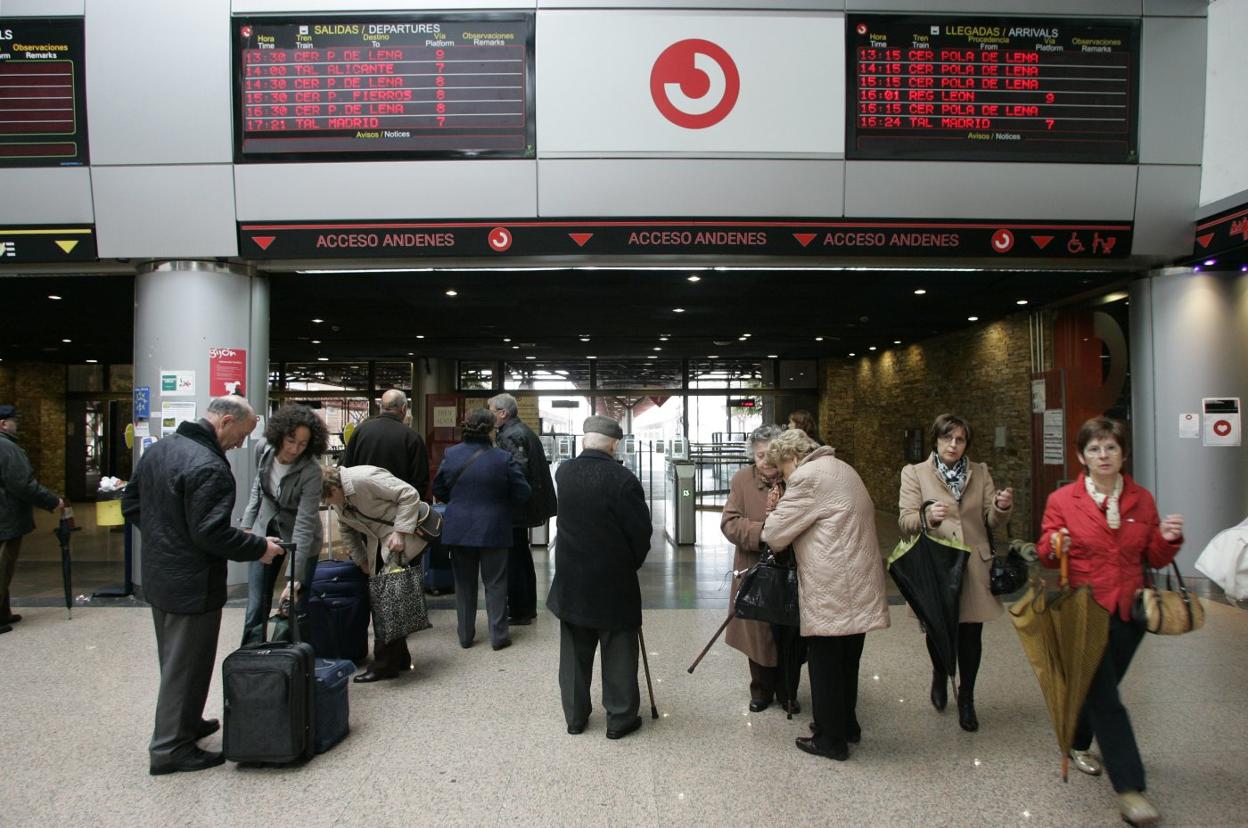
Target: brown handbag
1167, 611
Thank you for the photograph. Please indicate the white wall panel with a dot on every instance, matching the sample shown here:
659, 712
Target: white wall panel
1225, 171
1165, 210
158, 81
42, 8
780, 5
177, 212
689, 187
45, 195
915, 189
1172, 82
260, 7
409, 190
595, 97
1050, 8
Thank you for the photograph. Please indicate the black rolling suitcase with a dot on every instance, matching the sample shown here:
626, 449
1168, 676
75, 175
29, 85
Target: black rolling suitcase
338, 611
270, 704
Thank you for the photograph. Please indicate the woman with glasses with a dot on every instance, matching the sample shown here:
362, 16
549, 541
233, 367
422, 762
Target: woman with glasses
959, 502
1110, 530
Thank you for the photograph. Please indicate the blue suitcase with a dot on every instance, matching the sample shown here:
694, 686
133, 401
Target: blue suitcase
338, 612
333, 711
435, 565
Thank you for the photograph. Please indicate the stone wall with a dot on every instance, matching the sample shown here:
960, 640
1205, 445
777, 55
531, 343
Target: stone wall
38, 391
982, 374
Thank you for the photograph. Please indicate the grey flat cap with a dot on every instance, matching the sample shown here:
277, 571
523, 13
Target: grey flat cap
599, 424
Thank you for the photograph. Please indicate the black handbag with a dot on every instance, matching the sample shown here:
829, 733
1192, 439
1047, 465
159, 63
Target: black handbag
768, 592
1008, 572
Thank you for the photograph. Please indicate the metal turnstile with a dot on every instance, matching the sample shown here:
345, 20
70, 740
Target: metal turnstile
680, 521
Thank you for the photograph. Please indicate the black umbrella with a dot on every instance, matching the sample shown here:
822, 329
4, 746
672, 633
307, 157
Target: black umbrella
63, 529
791, 654
928, 571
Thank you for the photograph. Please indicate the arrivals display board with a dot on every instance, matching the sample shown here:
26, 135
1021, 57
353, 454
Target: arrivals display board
43, 110
992, 89
357, 88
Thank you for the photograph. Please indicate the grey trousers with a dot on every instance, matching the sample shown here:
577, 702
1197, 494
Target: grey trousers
620, 695
9, 549
187, 646
492, 563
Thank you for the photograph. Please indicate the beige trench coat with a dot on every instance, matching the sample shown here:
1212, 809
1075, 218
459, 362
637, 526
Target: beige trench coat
965, 524
742, 524
828, 518
378, 505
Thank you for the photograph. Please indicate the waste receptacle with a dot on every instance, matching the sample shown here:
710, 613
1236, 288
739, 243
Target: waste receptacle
680, 522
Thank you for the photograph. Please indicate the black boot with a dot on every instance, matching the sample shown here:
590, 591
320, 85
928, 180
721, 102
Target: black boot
966, 710
940, 690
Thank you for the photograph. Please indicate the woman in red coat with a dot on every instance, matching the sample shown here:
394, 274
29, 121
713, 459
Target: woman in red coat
1110, 527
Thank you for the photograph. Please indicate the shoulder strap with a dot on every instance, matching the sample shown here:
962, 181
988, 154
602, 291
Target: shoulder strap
460, 471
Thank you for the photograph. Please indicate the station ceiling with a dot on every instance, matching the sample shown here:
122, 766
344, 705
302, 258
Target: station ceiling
547, 313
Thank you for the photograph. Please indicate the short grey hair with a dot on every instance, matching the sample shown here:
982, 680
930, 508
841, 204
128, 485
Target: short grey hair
598, 442
230, 405
762, 434
791, 445
393, 400
504, 402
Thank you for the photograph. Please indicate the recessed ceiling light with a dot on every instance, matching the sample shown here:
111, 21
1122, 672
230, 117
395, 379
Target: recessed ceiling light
420, 336
67, 340
742, 339
93, 361
515, 347
506, 338
54, 297
584, 338
746, 335
1210, 262
653, 356
1021, 302
322, 359
530, 356
773, 356
591, 356
972, 319
818, 338
657, 348
853, 354
317, 321
919, 291
663, 338
316, 342
409, 353
694, 278
872, 348
712, 356
678, 310
452, 293
896, 341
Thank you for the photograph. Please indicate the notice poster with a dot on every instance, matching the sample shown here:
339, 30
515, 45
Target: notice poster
142, 402
1189, 425
174, 414
444, 416
227, 372
176, 383
1054, 437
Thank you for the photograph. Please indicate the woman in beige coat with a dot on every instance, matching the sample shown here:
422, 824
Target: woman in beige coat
828, 518
742, 523
378, 514
959, 498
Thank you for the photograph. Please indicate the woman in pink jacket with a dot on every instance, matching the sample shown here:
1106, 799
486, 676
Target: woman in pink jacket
1110, 529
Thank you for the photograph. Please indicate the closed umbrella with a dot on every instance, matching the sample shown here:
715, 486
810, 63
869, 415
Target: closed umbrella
63, 530
1064, 635
928, 572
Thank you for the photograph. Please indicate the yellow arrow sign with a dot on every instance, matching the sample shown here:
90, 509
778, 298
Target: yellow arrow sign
67, 244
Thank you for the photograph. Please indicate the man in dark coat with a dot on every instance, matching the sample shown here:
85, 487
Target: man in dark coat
386, 442
518, 439
182, 500
603, 536
19, 494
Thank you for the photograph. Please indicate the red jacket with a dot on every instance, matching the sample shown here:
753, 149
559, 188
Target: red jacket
1107, 560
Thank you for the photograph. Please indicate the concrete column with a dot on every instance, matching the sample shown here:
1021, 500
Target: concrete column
182, 309
1189, 335
430, 376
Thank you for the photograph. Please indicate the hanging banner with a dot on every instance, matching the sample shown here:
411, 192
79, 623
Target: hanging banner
227, 372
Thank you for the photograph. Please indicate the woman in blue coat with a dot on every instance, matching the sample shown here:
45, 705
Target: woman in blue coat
480, 484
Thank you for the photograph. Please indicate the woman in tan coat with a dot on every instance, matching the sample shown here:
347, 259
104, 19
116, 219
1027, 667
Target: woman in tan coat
742, 523
959, 498
828, 518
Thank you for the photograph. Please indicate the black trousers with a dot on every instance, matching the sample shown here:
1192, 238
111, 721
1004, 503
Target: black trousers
621, 696
832, 662
521, 578
187, 647
1104, 716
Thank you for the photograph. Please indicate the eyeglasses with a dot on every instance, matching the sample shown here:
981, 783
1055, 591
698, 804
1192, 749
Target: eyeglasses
1103, 451
952, 440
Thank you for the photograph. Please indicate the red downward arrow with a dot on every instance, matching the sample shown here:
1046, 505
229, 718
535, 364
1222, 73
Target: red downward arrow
263, 241
1042, 241
581, 238
1204, 240
805, 238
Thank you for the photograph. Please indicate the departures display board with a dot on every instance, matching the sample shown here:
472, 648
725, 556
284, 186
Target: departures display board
353, 88
992, 89
43, 110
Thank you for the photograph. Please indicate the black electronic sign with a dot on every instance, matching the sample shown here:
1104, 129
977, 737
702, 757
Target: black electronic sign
992, 89
43, 108
47, 243
356, 88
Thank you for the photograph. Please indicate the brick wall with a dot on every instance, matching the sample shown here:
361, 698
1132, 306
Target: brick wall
982, 374
38, 391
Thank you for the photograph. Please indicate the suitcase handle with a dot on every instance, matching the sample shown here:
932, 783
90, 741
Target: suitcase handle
290, 585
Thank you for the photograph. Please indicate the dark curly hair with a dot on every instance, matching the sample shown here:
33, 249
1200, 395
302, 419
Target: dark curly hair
478, 424
288, 418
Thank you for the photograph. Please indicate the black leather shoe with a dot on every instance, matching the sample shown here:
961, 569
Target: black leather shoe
5, 628
940, 691
197, 760
576, 729
465, 644
12, 619
853, 735
791, 707
806, 744
521, 622
632, 726
206, 728
966, 714
502, 645
369, 676
759, 705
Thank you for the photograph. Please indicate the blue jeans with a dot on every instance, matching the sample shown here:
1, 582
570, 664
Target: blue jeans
261, 580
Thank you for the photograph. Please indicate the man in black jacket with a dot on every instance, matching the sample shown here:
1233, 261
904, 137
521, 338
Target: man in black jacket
602, 540
518, 439
19, 494
182, 499
386, 442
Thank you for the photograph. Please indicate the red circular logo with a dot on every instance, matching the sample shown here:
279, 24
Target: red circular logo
500, 239
1222, 428
1002, 241
862, 28
694, 83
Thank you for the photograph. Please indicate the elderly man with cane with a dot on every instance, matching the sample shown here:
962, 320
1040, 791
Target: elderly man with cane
602, 539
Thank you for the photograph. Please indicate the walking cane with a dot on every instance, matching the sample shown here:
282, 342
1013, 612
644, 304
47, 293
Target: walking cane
709, 644
641, 640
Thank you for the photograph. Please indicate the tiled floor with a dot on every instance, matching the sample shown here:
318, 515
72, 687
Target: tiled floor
474, 737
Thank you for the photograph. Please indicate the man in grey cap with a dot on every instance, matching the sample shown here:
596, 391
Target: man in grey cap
19, 493
602, 538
